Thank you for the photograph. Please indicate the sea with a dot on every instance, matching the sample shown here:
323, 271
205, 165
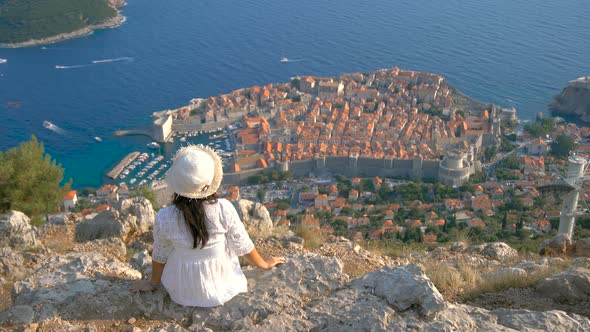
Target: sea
514, 53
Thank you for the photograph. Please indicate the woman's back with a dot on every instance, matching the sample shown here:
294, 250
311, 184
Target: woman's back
206, 276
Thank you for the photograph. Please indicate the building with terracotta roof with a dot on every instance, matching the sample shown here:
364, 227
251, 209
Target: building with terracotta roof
538, 147
106, 190
321, 200
70, 200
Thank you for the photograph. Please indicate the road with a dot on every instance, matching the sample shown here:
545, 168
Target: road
491, 166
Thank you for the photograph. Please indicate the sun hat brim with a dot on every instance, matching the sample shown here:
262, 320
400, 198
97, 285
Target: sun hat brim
174, 177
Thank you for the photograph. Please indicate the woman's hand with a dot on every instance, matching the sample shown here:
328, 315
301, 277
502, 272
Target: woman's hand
254, 259
274, 261
142, 286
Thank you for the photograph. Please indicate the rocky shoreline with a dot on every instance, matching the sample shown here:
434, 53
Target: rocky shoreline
574, 100
111, 23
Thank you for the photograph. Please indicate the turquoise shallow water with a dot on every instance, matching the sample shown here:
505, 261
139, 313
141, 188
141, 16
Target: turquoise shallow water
511, 52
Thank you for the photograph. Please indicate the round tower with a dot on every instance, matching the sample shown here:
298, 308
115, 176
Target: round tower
454, 170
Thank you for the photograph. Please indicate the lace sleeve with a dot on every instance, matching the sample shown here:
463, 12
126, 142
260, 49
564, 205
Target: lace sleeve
239, 241
162, 245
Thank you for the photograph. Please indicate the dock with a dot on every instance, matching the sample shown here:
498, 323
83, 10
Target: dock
114, 173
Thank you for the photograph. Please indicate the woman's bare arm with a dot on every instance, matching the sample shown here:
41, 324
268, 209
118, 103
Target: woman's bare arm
147, 286
254, 258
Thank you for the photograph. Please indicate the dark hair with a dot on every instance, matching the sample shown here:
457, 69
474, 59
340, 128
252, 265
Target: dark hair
194, 215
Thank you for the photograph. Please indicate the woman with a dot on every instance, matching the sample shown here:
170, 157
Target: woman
198, 239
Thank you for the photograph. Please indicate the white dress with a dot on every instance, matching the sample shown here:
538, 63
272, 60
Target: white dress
206, 277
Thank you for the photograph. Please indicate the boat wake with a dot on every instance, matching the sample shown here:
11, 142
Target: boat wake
97, 62
71, 67
51, 126
125, 58
285, 60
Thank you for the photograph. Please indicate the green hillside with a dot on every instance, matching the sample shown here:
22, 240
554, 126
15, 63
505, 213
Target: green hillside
22, 20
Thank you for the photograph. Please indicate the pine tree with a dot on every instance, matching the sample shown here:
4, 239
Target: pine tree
30, 180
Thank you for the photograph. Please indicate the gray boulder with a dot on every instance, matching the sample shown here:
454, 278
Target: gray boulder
255, 217
78, 286
559, 245
142, 211
403, 287
458, 246
16, 265
18, 314
554, 320
142, 261
508, 272
62, 218
499, 251
356, 311
112, 247
16, 231
583, 247
104, 225
570, 286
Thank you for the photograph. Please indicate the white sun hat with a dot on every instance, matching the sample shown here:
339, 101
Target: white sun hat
196, 172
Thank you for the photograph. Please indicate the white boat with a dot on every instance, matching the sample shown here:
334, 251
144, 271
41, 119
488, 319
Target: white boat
49, 125
3, 61
284, 60
132, 181
153, 145
98, 139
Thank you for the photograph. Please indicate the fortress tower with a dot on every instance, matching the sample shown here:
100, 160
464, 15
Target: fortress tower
454, 170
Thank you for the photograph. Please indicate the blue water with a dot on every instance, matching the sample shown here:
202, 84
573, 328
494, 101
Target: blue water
492, 50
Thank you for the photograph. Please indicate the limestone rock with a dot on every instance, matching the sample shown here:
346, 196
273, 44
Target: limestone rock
553, 320
78, 286
255, 217
16, 231
102, 226
540, 265
281, 291
559, 245
458, 246
571, 286
140, 208
62, 218
403, 287
109, 248
509, 272
499, 251
142, 261
18, 314
15, 265
357, 311
583, 247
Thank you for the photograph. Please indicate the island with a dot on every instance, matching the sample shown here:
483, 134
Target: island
25, 23
574, 99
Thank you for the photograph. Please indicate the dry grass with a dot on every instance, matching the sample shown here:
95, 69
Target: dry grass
59, 238
493, 283
451, 281
394, 248
313, 239
465, 282
5, 296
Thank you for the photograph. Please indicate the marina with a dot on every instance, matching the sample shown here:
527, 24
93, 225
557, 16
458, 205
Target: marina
147, 167
128, 159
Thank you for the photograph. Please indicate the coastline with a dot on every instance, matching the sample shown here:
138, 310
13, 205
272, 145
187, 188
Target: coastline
108, 24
